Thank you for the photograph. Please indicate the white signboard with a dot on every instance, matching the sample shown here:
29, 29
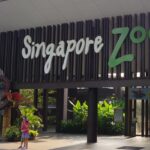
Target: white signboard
118, 115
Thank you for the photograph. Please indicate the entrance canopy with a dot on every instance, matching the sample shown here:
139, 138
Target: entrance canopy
87, 53
16, 14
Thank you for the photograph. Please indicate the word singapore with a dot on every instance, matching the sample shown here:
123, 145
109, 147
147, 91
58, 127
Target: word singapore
33, 50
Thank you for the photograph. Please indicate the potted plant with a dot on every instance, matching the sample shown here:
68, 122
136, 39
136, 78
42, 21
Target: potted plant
33, 134
12, 133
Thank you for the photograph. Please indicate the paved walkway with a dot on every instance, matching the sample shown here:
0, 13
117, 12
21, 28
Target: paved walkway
53, 141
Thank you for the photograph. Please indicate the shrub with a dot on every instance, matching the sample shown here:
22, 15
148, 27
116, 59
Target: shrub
71, 126
80, 112
33, 134
12, 133
106, 124
34, 120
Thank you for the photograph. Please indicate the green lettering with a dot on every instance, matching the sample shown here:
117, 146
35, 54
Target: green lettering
138, 39
113, 61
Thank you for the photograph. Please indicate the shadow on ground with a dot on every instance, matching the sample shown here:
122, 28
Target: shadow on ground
83, 146
61, 136
93, 147
130, 148
7, 149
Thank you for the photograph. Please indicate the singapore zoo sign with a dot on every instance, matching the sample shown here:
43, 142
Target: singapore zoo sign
34, 50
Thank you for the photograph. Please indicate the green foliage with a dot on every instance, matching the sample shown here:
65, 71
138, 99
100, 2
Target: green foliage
80, 112
106, 124
28, 94
72, 126
34, 120
51, 100
79, 122
12, 133
33, 133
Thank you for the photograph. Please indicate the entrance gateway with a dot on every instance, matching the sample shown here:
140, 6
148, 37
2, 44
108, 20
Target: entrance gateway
40, 58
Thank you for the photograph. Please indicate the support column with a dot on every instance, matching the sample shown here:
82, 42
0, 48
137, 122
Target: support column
45, 106
59, 108
65, 104
92, 116
126, 112
146, 118
142, 117
36, 98
130, 117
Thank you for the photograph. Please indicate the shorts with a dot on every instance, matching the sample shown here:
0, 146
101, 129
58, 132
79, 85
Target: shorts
25, 136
